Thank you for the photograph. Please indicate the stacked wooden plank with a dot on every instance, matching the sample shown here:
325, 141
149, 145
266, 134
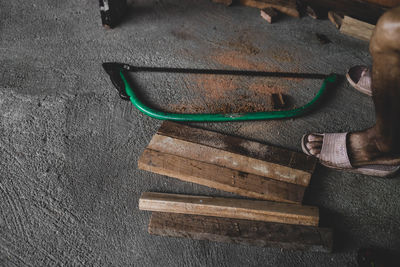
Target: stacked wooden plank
240, 166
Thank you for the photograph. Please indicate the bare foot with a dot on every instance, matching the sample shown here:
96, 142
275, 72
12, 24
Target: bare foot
363, 148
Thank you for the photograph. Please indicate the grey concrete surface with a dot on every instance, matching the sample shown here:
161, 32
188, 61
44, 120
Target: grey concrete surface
69, 183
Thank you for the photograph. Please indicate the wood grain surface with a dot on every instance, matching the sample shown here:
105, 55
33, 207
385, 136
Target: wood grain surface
230, 208
357, 28
228, 159
218, 177
264, 234
237, 153
288, 7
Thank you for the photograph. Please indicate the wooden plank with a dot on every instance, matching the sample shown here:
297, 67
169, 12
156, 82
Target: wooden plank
363, 11
253, 233
357, 28
218, 177
230, 208
288, 7
269, 14
335, 18
227, 159
272, 154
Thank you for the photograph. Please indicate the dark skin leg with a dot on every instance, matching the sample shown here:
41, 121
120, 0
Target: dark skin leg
379, 144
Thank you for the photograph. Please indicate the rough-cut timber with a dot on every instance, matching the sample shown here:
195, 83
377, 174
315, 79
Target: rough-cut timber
221, 178
288, 7
335, 18
235, 153
269, 14
264, 234
368, 12
227, 159
255, 210
357, 28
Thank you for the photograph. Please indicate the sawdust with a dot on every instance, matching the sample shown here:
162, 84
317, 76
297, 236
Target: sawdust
228, 94
187, 108
216, 86
243, 45
267, 88
239, 105
235, 94
282, 55
237, 60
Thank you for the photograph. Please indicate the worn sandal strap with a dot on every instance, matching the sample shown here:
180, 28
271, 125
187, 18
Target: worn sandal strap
334, 150
365, 79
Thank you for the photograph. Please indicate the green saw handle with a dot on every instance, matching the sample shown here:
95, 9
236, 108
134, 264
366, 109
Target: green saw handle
203, 117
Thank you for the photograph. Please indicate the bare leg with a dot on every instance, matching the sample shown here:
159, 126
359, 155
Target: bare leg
381, 143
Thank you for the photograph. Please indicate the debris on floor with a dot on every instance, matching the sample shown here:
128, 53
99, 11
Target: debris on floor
278, 101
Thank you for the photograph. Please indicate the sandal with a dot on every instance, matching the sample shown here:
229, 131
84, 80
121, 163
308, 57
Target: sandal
334, 155
360, 78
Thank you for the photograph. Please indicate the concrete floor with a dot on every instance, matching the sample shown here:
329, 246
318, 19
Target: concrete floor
69, 184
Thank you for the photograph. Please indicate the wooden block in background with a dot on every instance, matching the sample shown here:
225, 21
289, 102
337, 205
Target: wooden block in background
357, 28
288, 7
230, 208
227, 159
361, 10
264, 234
335, 18
221, 178
234, 153
269, 14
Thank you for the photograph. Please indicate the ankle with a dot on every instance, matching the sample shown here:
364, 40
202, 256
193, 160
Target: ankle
388, 146
385, 143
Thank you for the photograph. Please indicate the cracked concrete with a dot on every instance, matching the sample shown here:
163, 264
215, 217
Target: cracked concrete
69, 183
